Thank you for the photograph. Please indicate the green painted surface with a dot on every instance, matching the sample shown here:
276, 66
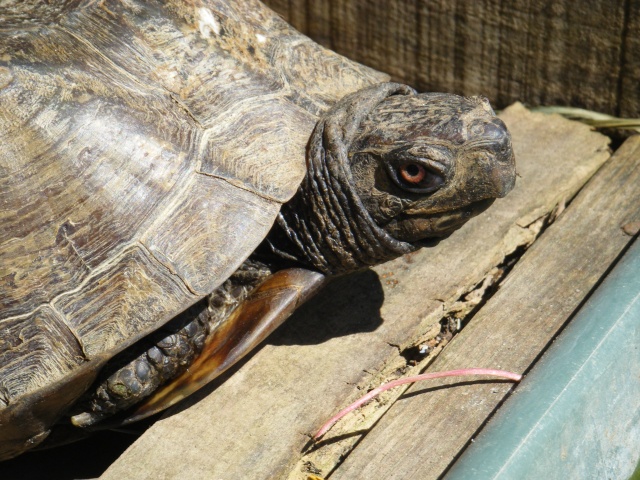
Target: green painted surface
577, 414
636, 473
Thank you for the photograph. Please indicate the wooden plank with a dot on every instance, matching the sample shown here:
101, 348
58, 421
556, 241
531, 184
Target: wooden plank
424, 433
583, 54
256, 423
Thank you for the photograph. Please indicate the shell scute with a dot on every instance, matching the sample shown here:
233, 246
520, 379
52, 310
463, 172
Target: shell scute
116, 306
203, 235
35, 349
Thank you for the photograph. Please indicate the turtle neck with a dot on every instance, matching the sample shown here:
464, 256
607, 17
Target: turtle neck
325, 226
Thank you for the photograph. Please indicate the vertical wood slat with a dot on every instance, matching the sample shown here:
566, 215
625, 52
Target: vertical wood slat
630, 74
584, 54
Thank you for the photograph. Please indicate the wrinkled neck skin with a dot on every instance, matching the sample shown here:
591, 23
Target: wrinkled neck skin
326, 226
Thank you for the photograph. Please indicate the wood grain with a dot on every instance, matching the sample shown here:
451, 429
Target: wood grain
424, 433
540, 52
256, 423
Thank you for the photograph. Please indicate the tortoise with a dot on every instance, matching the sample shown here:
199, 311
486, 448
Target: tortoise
177, 177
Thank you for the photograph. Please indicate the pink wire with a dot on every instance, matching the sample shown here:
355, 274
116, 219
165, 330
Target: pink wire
416, 378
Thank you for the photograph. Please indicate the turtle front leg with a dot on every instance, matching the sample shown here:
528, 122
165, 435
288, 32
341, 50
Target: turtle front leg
201, 344
264, 310
140, 370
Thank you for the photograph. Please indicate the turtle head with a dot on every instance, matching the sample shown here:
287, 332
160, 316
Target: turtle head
424, 164
389, 171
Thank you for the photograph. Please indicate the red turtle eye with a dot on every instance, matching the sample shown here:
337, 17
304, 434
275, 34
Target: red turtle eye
417, 175
412, 173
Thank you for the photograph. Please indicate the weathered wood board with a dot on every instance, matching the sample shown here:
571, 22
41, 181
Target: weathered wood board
350, 337
566, 52
424, 433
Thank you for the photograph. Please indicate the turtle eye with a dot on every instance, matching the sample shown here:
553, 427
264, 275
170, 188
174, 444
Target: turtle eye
412, 173
416, 177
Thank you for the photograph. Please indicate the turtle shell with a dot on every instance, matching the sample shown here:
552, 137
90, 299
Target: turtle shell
146, 149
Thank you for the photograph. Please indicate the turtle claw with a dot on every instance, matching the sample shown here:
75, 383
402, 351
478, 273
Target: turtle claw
256, 318
85, 419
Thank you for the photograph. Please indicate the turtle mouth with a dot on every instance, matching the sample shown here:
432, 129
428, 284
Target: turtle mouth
427, 230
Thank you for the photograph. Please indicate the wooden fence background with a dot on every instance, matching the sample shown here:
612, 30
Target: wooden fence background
583, 53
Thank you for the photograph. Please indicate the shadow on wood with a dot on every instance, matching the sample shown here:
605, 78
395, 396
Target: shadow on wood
348, 305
